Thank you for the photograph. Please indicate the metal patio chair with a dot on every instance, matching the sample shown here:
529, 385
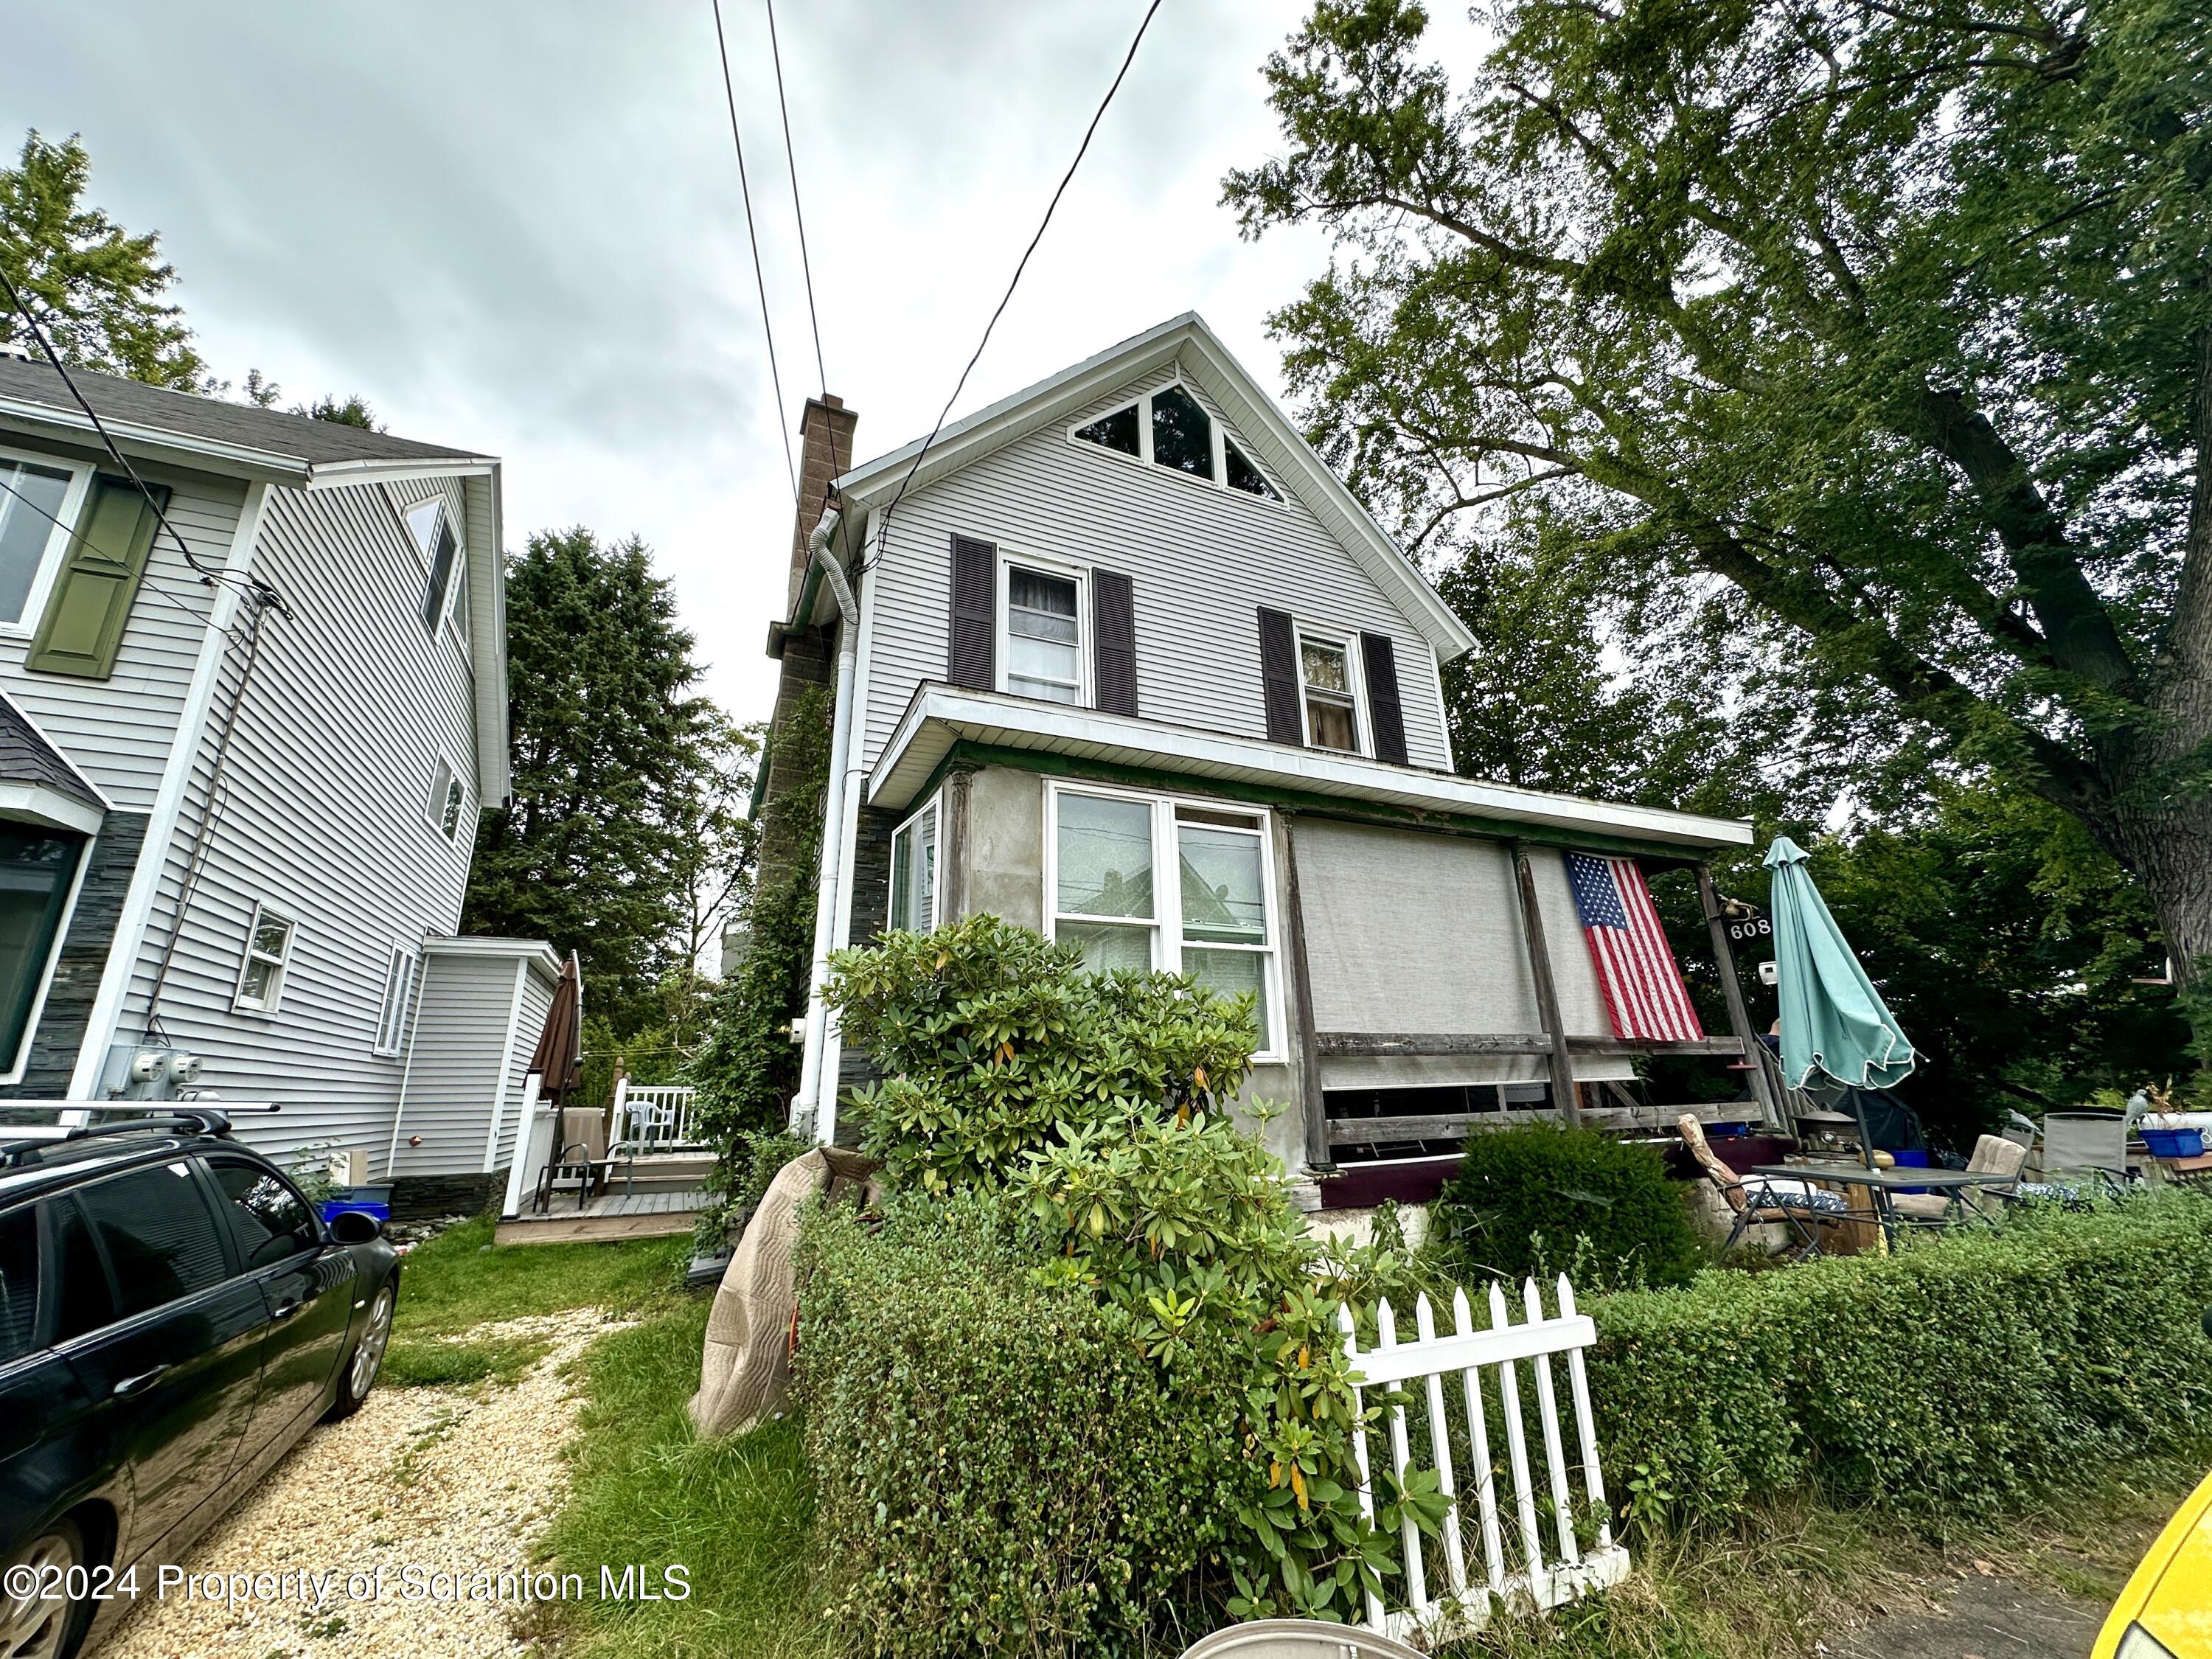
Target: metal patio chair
582, 1160
1808, 1219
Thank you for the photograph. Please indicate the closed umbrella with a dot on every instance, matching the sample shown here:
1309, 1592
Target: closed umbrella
1837, 1034
558, 1061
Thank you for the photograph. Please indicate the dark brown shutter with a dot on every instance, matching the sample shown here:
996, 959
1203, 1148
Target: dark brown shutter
1384, 712
1279, 676
970, 659
1114, 614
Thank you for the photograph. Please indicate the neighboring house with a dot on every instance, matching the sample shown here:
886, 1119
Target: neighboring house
1132, 666
240, 777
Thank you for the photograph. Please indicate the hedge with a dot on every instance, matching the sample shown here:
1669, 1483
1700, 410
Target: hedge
998, 1471
1956, 1376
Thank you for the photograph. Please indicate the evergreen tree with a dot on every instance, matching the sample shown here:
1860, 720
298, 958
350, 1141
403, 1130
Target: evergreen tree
613, 752
96, 289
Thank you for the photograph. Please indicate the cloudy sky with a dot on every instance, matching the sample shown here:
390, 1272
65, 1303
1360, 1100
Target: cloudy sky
515, 224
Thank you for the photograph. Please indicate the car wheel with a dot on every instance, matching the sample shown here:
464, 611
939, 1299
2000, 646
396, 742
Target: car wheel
365, 1361
35, 1621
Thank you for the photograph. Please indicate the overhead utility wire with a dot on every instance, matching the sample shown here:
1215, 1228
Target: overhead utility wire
211, 576
760, 282
1065, 178
791, 160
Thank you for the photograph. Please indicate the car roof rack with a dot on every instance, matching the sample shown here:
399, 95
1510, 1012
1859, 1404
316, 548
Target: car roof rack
193, 1121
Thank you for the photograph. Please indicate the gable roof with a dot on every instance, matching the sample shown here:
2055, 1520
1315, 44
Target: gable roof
1187, 345
39, 780
234, 438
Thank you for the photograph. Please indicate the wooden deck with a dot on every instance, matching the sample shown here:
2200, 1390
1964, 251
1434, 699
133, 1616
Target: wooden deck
614, 1214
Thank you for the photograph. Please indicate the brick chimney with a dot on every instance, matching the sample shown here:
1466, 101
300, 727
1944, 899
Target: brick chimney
825, 450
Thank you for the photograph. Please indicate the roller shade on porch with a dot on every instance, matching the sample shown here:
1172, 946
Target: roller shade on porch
1408, 932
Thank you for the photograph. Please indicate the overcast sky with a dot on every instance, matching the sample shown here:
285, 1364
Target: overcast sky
516, 227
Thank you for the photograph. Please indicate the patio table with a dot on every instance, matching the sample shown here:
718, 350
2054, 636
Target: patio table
1882, 1184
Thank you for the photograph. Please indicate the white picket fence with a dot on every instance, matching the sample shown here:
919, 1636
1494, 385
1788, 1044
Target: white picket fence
653, 1118
1489, 1364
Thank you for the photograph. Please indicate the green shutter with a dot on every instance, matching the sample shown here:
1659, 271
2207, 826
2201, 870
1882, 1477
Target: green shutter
83, 627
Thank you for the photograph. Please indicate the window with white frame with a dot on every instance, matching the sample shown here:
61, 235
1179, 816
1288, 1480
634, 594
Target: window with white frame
400, 971
34, 511
1040, 613
442, 807
1169, 427
1214, 921
913, 872
268, 953
441, 547
1326, 691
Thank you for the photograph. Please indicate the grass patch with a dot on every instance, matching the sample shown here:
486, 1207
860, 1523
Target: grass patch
1798, 1572
734, 1513
441, 1363
459, 1280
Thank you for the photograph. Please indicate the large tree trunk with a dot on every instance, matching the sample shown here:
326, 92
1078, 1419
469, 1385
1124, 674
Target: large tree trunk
2169, 847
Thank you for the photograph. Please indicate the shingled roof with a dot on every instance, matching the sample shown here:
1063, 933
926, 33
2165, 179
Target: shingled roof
25, 756
298, 438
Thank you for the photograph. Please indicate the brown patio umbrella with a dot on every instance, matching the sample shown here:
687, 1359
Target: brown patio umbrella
559, 1059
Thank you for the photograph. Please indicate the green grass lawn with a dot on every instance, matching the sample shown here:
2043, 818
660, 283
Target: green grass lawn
734, 1513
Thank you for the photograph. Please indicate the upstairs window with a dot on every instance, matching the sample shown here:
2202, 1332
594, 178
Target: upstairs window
31, 537
1243, 475
442, 806
1332, 708
1182, 437
1043, 628
1170, 427
268, 954
441, 551
913, 872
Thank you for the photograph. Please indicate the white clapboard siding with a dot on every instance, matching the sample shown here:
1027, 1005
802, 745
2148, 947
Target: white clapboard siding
1503, 1550
322, 816
464, 1067
1202, 560
118, 731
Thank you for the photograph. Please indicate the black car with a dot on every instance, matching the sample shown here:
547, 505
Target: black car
173, 1316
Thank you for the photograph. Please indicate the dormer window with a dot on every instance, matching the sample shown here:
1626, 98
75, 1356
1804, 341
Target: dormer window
1170, 427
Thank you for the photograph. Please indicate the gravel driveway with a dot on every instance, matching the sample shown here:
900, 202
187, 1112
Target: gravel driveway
459, 1481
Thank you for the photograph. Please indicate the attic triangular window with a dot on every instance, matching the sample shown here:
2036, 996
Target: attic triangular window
1243, 476
1116, 431
1182, 437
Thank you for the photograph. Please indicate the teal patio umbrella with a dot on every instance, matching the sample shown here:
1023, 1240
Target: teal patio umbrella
1837, 1034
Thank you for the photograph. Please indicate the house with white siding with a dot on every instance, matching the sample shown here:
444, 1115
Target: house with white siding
252, 698
1119, 657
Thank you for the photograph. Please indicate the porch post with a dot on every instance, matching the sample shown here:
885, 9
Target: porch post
1318, 1154
1739, 1013
1563, 1098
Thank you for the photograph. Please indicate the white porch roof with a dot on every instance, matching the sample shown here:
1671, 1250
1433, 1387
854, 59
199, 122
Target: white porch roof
940, 716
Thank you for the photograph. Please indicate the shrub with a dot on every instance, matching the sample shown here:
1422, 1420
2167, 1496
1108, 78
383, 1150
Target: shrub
993, 1040
1539, 1199
999, 1470
1956, 1376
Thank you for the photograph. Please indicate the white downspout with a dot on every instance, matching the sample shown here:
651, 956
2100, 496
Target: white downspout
804, 1104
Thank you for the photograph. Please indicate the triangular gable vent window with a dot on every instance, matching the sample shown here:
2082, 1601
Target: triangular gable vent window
1170, 428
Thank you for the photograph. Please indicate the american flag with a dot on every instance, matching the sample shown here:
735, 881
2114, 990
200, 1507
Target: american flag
1644, 991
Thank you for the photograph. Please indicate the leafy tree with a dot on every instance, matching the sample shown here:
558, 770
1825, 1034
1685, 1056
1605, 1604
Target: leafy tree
612, 753
1878, 335
352, 409
97, 291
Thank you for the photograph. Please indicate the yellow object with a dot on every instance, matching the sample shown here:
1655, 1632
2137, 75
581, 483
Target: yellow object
2166, 1611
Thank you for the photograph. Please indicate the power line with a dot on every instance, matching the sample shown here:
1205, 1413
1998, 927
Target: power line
1065, 178
212, 577
760, 282
791, 160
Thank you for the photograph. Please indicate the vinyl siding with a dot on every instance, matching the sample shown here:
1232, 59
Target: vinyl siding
463, 1063
321, 817
1202, 560
118, 731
